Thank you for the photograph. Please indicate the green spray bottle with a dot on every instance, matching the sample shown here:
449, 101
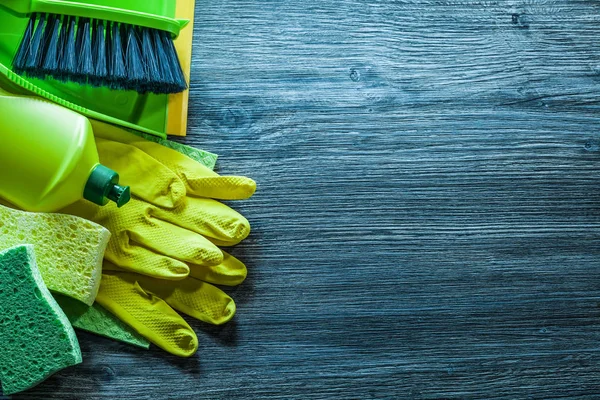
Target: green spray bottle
48, 157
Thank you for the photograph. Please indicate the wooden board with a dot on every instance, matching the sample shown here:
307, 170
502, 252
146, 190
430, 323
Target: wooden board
427, 222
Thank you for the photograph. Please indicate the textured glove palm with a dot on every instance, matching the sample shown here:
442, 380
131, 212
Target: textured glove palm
163, 249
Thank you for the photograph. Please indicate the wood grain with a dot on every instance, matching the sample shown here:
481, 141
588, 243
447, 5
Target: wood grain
427, 223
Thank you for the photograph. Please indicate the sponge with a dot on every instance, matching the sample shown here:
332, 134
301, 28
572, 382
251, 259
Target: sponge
36, 338
96, 319
69, 249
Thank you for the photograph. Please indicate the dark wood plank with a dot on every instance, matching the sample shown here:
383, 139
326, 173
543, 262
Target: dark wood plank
427, 223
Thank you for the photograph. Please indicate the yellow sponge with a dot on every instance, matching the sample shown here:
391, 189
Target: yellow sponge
69, 249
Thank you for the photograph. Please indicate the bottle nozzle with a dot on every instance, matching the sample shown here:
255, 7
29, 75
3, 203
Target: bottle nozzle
119, 194
103, 185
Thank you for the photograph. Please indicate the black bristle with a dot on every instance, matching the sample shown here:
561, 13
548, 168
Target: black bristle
62, 44
162, 63
94, 28
75, 75
136, 72
179, 84
99, 53
85, 66
78, 31
116, 63
34, 56
123, 32
50, 55
23, 50
153, 76
68, 62
108, 44
48, 30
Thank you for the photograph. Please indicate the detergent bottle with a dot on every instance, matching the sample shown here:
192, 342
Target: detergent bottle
48, 157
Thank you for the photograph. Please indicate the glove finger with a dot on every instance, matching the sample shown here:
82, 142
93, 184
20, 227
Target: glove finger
193, 297
198, 179
133, 257
176, 242
148, 179
180, 164
155, 149
150, 316
230, 272
208, 217
221, 187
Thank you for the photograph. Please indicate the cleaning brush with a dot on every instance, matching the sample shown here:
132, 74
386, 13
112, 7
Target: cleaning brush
121, 48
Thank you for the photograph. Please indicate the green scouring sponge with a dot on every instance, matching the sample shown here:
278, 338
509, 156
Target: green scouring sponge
36, 338
96, 319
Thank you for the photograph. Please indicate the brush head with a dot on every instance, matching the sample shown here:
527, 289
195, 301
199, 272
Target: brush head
99, 53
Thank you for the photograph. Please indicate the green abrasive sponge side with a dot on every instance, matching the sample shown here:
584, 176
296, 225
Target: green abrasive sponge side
98, 320
36, 338
69, 249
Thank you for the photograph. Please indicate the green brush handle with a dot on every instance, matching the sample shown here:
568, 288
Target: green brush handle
147, 13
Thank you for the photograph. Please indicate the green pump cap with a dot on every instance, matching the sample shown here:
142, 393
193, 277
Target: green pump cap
103, 185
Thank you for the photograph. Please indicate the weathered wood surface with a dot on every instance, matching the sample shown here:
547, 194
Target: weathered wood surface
427, 223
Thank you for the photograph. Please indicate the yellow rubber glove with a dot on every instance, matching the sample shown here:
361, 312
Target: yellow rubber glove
148, 304
163, 248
